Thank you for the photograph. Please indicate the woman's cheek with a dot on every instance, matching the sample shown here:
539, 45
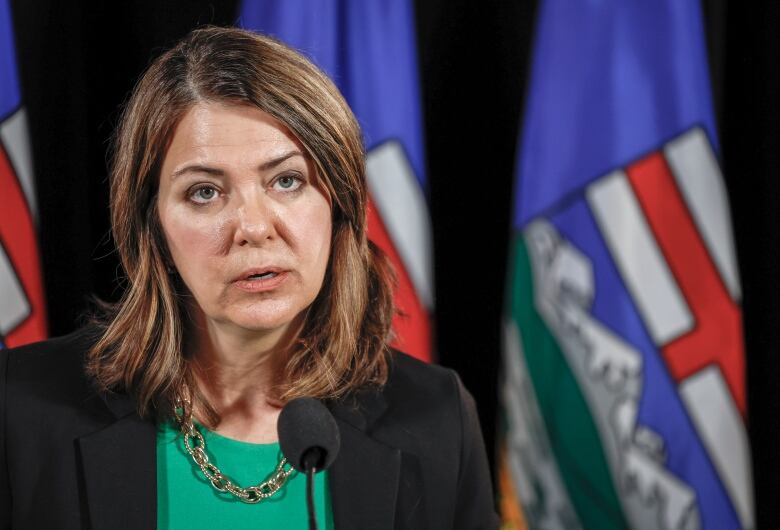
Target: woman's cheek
315, 223
193, 235
214, 234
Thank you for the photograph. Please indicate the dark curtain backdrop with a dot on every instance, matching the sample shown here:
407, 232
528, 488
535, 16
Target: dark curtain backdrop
78, 62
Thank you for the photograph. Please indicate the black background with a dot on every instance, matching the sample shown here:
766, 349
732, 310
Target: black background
78, 62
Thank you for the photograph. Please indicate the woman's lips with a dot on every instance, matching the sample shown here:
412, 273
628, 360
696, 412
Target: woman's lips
257, 284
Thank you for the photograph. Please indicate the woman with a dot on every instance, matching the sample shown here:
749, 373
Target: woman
238, 204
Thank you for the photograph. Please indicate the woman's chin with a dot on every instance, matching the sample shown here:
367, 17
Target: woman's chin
263, 323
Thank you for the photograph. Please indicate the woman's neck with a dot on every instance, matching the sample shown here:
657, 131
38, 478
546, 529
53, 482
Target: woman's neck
236, 371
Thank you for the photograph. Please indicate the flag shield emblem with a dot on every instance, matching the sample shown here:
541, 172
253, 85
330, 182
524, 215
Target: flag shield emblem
623, 386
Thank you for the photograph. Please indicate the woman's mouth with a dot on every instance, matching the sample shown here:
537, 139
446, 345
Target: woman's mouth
263, 276
261, 281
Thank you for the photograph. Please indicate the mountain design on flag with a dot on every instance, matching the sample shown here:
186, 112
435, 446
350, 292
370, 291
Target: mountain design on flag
627, 299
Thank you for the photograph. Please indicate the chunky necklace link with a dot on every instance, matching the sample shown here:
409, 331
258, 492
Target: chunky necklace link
195, 445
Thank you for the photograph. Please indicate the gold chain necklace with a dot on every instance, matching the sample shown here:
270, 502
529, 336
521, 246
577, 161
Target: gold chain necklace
220, 482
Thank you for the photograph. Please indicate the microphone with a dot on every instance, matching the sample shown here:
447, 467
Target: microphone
310, 440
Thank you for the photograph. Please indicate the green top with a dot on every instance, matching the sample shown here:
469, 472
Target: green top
186, 500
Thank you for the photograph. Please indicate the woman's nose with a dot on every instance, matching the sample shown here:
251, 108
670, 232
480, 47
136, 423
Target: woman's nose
255, 222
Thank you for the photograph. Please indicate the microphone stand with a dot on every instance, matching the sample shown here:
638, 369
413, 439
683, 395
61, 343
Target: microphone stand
310, 498
310, 460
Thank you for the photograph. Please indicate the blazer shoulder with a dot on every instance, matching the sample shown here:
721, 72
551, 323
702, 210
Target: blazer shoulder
413, 375
415, 381
426, 395
50, 364
432, 418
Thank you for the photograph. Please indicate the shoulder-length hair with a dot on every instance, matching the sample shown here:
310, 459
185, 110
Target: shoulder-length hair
342, 345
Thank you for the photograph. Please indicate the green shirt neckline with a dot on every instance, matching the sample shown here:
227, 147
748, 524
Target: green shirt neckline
187, 500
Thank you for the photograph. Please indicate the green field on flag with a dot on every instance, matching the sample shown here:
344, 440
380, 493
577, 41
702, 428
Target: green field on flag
570, 428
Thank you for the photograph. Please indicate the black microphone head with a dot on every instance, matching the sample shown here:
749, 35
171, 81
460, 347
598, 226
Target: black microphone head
304, 425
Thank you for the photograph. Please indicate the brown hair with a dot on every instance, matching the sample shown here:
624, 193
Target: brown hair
342, 345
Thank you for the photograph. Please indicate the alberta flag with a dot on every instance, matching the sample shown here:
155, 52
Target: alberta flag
368, 48
22, 314
624, 374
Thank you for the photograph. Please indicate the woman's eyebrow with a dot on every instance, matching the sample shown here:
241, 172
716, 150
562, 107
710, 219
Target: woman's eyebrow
265, 166
197, 168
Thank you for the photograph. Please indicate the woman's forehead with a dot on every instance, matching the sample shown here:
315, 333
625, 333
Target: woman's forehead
217, 133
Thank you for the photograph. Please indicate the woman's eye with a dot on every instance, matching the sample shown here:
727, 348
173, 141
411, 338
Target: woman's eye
288, 183
203, 194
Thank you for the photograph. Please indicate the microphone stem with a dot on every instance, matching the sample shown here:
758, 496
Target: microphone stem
310, 497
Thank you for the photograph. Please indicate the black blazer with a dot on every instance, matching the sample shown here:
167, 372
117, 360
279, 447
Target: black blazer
411, 456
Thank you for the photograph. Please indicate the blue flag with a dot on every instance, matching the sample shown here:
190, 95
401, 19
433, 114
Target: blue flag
623, 389
10, 96
368, 49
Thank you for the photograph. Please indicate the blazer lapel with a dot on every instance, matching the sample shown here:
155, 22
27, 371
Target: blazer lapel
120, 470
365, 475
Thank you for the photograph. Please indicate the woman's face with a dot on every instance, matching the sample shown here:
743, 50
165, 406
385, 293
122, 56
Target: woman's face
246, 223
